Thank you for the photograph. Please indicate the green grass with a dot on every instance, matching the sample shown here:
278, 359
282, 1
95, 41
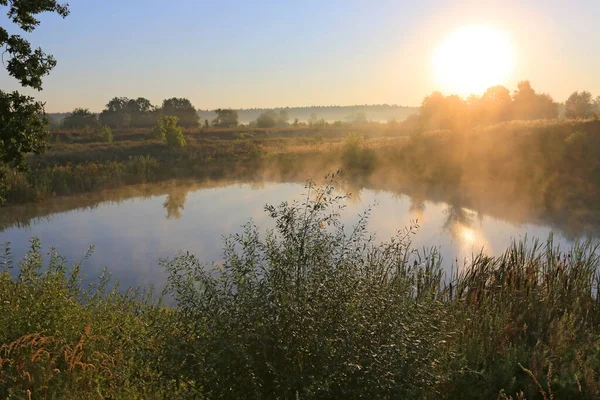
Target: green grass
309, 310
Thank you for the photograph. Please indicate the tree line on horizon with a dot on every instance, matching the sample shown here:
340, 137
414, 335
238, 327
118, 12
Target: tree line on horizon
497, 104
437, 111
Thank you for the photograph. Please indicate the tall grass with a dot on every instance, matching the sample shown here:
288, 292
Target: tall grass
310, 309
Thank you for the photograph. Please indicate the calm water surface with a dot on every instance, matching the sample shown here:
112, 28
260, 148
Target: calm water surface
131, 235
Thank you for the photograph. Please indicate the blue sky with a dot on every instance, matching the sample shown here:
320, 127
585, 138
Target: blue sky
286, 53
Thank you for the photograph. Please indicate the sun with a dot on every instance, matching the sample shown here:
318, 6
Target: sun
472, 59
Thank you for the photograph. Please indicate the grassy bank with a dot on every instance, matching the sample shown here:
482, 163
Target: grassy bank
309, 310
538, 171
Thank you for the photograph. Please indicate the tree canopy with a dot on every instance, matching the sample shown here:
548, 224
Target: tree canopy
579, 105
23, 127
183, 109
122, 112
80, 118
226, 118
495, 105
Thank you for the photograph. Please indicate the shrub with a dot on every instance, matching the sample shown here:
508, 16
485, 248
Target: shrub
58, 340
309, 311
105, 134
168, 130
355, 156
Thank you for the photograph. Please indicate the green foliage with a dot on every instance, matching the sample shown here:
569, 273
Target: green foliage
356, 156
310, 309
528, 321
121, 112
182, 109
168, 130
226, 118
172, 131
158, 131
22, 129
272, 119
61, 340
80, 118
579, 105
105, 133
575, 137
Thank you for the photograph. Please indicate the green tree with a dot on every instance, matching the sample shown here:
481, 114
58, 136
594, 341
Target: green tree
106, 134
579, 105
271, 119
121, 112
283, 116
183, 109
80, 118
167, 129
226, 118
267, 119
23, 126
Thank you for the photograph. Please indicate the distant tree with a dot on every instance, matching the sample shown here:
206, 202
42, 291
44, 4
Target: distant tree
528, 105
226, 118
296, 122
206, 124
121, 112
493, 106
268, 119
357, 118
579, 105
80, 118
283, 116
183, 109
443, 112
23, 127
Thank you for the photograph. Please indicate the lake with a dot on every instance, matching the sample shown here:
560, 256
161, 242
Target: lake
133, 228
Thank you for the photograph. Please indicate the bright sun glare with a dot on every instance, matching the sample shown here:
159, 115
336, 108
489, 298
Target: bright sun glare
472, 59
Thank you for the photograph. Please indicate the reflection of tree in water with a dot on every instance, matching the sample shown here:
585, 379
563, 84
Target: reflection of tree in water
257, 184
353, 190
456, 216
174, 203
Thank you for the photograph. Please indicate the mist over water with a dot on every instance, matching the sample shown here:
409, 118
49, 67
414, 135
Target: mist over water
132, 232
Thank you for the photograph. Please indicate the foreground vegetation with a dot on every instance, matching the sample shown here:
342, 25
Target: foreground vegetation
311, 309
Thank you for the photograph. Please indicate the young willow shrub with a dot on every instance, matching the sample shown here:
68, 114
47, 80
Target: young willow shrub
312, 310
168, 130
105, 134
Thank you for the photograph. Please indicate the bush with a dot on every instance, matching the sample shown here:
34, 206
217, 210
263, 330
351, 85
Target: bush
308, 312
105, 133
58, 340
168, 130
356, 157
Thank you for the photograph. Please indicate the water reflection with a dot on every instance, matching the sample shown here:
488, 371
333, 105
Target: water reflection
132, 229
175, 202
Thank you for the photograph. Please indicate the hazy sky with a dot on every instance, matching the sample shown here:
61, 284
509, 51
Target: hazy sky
244, 54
